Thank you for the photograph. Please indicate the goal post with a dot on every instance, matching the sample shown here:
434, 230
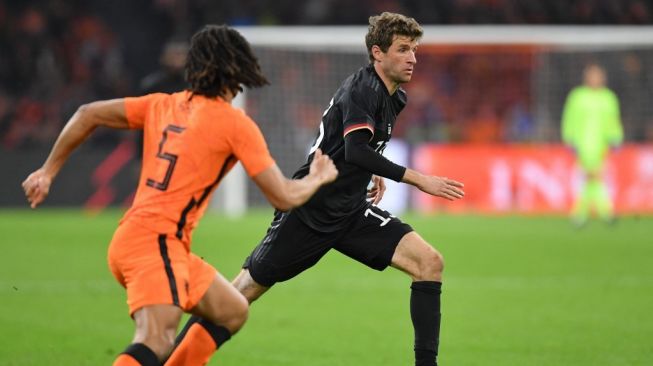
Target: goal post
353, 37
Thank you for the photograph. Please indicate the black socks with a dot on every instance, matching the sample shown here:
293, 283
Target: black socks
143, 354
425, 314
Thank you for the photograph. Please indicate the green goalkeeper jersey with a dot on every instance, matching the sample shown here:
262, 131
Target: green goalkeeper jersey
591, 124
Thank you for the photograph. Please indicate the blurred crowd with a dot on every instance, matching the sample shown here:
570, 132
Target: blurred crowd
53, 58
58, 54
435, 12
470, 94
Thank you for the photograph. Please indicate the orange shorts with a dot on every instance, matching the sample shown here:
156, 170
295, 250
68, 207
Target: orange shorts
157, 268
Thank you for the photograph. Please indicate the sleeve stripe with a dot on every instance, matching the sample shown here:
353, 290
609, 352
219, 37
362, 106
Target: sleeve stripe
359, 126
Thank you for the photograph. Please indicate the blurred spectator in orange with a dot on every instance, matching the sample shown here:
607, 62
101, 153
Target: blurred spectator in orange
485, 126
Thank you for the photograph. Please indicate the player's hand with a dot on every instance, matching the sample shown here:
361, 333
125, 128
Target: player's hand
37, 187
378, 189
322, 168
442, 187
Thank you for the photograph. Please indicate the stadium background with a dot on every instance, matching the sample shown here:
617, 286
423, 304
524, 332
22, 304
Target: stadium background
58, 55
521, 289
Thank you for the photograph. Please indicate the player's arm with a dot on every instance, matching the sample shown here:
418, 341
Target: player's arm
359, 152
569, 118
284, 193
109, 113
436, 186
614, 130
250, 148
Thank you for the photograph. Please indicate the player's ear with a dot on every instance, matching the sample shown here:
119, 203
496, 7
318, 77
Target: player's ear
377, 53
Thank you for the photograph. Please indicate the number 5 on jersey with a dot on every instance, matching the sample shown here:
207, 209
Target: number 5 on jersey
171, 159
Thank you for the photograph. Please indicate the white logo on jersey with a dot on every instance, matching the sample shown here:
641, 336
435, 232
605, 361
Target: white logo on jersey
320, 136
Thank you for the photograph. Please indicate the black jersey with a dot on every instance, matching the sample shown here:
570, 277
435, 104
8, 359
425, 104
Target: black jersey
362, 101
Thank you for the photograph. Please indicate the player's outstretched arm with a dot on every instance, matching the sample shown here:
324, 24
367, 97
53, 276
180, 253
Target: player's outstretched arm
435, 186
358, 152
284, 193
110, 113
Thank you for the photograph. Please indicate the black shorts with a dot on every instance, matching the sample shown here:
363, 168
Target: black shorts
290, 246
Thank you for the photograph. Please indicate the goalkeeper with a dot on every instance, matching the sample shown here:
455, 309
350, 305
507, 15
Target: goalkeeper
591, 125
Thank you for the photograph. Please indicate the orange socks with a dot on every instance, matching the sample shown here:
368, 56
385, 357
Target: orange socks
126, 360
198, 344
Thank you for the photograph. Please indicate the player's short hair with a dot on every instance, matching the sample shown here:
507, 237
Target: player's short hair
383, 29
221, 59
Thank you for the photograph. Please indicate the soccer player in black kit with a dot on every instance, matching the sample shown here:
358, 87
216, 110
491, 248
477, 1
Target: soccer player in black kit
355, 129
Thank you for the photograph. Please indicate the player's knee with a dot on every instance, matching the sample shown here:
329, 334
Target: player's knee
237, 314
431, 265
241, 311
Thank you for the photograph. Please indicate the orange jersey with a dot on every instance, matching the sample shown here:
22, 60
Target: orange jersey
189, 146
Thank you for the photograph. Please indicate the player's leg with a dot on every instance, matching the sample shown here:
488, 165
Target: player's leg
153, 269
581, 209
594, 191
246, 285
288, 248
156, 326
604, 205
424, 265
598, 194
378, 240
217, 316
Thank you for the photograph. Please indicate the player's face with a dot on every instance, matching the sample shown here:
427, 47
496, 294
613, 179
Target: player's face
398, 63
594, 77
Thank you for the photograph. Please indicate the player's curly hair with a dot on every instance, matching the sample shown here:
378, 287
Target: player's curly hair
383, 29
220, 59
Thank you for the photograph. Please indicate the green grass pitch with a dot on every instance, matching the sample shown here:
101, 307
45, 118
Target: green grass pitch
518, 291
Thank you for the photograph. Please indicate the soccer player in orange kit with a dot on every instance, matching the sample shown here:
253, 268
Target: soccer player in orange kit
191, 140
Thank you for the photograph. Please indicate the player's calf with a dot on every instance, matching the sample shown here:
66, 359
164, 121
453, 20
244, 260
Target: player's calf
219, 314
424, 265
154, 338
